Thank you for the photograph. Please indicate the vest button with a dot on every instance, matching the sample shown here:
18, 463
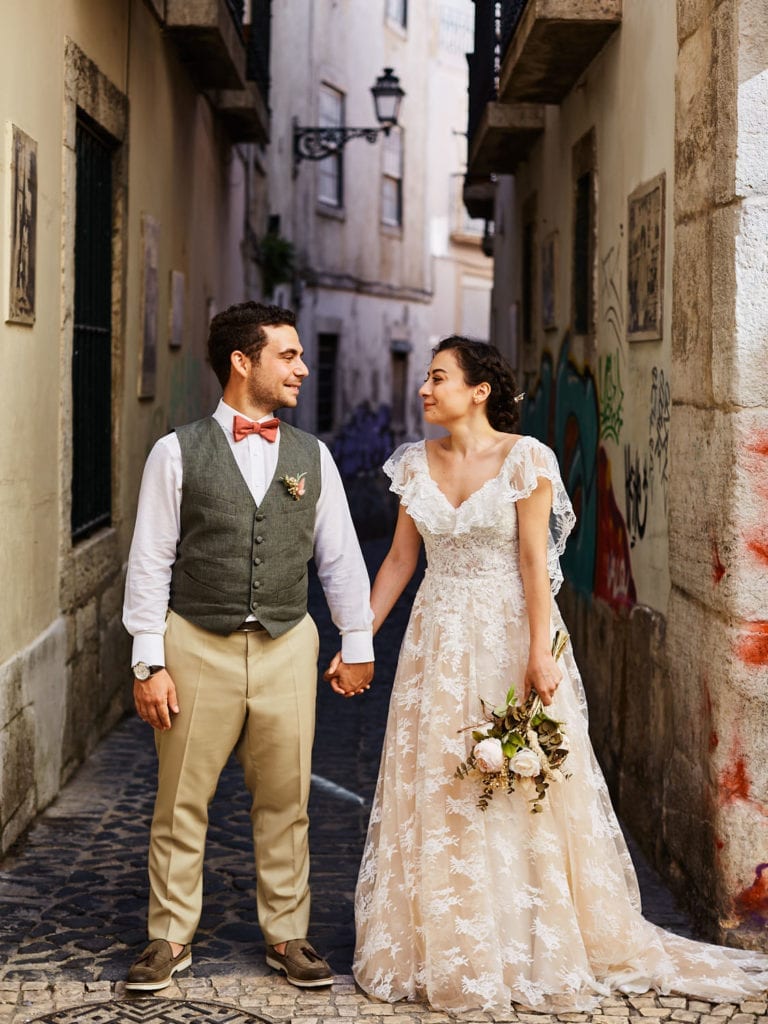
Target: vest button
255, 584
254, 606
257, 561
259, 517
259, 539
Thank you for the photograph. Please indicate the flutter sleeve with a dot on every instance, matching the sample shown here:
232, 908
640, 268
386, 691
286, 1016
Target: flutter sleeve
400, 468
538, 462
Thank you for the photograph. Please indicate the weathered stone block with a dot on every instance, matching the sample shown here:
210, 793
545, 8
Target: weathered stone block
694, 124
691, 15
748, 341
17, 763
691, 380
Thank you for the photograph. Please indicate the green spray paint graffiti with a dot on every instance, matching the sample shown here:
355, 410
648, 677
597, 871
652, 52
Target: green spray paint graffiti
611, 397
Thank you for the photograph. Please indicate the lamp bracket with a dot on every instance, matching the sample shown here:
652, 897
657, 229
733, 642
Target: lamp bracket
319, 143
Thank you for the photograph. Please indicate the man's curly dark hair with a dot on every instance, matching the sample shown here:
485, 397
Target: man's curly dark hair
241, 328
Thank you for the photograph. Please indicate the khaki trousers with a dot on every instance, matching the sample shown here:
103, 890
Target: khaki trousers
255, 695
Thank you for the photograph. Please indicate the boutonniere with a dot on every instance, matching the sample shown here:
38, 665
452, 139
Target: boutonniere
295, 485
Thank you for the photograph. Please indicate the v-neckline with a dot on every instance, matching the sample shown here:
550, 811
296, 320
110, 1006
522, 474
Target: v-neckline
477, 490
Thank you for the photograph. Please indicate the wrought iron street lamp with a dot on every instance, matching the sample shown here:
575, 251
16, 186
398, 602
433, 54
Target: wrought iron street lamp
318, 143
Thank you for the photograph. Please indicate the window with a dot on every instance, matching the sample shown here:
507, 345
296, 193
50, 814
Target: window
582, 232
392, 179
399, 353
92, 338
584, 252
397, 11
529, 236
327, 354
330, 178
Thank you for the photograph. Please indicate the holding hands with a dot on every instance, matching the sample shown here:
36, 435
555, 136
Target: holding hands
348, 680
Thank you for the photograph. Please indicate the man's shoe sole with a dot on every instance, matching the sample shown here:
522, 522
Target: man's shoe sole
298, 982
155, 986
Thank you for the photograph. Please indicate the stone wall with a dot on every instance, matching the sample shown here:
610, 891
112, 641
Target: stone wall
716, 794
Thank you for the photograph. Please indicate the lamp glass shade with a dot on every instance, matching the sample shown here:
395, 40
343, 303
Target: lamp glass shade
387, 96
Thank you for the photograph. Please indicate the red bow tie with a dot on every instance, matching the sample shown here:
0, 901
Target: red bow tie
241, 427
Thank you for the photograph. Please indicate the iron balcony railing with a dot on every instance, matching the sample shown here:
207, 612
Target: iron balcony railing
237, 7
257, 54
511, 13
483, 64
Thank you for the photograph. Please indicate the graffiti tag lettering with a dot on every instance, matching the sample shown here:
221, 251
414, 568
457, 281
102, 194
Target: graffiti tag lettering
658, 441
636, 494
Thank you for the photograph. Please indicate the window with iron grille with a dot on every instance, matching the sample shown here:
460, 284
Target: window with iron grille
392, 179
92, 335
327, 355
582, 255
330, 172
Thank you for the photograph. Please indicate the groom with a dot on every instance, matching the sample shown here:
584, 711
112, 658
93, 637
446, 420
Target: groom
231, 509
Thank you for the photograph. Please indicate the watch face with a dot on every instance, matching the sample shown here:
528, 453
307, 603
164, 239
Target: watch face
141, 671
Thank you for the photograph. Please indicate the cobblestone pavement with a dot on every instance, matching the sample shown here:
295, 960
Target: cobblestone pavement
73, 891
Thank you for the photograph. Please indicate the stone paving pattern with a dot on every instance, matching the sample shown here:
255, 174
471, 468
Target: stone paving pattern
73, 891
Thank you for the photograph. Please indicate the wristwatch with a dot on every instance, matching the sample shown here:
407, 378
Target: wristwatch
142, 671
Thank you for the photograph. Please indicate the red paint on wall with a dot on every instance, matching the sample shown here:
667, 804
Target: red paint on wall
752, 645
734, 784
754, 899
613, 567
759, 546
760, 445
718, 569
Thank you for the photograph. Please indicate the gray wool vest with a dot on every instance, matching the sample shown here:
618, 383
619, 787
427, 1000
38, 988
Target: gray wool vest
235, 558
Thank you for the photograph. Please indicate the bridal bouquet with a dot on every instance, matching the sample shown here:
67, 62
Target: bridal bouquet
516, 742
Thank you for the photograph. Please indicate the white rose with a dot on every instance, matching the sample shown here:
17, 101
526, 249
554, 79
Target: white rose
525, 763
489, 756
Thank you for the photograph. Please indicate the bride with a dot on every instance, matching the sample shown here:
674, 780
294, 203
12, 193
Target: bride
467, 908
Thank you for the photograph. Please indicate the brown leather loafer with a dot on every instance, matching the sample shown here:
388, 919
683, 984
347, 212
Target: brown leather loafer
156, 966
302, 965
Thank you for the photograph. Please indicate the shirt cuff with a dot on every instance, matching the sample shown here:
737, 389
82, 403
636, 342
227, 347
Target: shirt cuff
149, 648
357, 646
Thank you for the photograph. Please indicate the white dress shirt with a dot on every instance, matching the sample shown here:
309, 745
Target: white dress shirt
337, 554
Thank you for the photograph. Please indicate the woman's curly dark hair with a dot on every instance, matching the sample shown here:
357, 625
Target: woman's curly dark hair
482, 363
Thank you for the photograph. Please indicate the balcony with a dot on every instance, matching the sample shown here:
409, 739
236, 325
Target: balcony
499, 135
208, 35
478, 195
504, 137
243, 113
227, 59
547, 44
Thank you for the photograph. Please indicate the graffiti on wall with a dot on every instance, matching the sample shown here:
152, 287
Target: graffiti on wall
635, 493
612, 292
365, 441
658, 440
611, 396
563, 411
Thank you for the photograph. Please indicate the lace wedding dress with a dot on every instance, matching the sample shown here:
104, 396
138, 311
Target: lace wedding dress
467, 909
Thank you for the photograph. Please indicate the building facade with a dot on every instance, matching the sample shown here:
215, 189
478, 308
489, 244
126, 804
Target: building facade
132, 185
386, 259
617, 146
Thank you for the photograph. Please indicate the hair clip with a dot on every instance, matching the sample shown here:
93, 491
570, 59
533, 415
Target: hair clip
520, 397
